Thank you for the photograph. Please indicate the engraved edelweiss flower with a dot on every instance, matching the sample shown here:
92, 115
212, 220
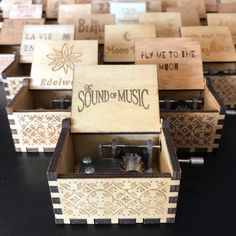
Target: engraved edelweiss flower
64, 58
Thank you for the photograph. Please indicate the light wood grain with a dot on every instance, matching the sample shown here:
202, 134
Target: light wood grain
66, 11
51, 71
167, 23
223, 19
119, 41
35, 34
189, 16
227, 7
179, 62
216, 42
116, 111
11, 32
91, 27
211, 5
199, 5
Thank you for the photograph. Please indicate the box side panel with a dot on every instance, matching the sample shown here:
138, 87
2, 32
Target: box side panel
225, 87
195, 131
116, 200
11, 86
38, 131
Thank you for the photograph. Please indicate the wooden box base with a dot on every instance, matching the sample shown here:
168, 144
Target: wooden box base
34, 125
195, 130
112, 197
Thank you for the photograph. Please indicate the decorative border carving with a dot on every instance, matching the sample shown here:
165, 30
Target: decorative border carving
196, 130
36, 131
225, 87
123, 201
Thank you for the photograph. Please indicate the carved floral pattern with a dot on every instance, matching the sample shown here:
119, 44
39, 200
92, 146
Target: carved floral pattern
64, 58
225, 86
13, 86
97, 198
192, 130
39, 129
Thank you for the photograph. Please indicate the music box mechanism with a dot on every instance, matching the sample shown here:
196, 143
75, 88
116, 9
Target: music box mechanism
126, 158
182, 105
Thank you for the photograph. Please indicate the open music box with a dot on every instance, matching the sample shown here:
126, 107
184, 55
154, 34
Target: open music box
36, 112
194, 113
115, 161
35, 118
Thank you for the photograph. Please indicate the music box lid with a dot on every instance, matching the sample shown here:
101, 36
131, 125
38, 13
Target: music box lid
115, 99
53, 62
178, 60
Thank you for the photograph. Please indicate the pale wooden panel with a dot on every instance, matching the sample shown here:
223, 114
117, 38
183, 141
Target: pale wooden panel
216, 42
167, 23
38, 130
26, 11
91, 27
227, 7
119, 41
223, 19
197, 4
127, 12
52, 7
100, 6
115, 198
178, 60
228, 1
117, 110
154, 5
11, 32
211, 5
7, 4
34, 34
189, 16
53, 62
164, 162
168, 4
72, 11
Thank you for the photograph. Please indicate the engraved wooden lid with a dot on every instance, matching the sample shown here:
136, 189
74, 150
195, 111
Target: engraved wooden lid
53, 62
216, 42
178, 60
115, 99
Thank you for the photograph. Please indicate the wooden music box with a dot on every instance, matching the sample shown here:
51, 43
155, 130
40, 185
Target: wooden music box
193, 111
36, 112
115, 161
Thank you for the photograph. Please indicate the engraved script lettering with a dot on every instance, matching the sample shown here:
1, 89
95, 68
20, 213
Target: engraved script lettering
174, 66
89, 97
215, 48
94, 27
